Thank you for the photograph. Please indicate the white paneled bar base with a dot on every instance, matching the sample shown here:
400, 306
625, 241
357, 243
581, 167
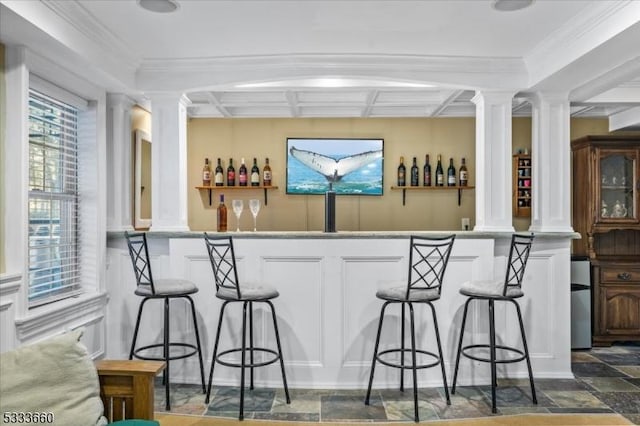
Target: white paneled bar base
327, 310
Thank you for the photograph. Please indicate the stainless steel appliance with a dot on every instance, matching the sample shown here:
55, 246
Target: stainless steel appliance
580, 303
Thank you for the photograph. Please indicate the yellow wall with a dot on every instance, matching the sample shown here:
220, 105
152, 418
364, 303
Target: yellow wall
141, 120
521, 139
588, 126
452, 137
408, 137
578, 127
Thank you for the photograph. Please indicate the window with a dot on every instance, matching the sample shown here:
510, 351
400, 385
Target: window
54, 226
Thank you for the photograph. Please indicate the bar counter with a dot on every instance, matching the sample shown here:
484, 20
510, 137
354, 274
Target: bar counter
327, 309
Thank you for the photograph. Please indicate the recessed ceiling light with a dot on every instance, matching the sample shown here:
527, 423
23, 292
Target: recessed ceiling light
511, 5
159, 6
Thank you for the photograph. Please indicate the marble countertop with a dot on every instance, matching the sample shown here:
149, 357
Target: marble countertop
346, 234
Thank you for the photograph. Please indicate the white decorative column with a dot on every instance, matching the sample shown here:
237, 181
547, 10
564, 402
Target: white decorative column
493, 161
169, 162
551, 163
119, 163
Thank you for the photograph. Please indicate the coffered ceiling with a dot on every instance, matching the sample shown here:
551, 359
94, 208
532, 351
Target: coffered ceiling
391, 58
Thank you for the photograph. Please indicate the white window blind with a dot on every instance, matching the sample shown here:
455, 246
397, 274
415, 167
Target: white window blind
54, 225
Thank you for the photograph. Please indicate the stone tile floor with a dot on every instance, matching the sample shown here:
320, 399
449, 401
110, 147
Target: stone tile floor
607, 380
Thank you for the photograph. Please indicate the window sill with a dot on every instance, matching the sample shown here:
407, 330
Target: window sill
61, 314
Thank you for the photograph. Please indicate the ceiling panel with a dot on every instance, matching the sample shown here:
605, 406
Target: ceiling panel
365, 102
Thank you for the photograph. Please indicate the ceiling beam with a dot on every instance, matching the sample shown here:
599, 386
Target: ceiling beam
522, 102
292, 99
582, 110
448, 101
371, 100
213, 99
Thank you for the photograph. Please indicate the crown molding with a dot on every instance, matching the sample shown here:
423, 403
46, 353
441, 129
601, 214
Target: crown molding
617, 77
221, 73
61, 32
583, 33
77, 16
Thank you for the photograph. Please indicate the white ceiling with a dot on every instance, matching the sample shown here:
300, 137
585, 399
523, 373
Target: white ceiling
389, 50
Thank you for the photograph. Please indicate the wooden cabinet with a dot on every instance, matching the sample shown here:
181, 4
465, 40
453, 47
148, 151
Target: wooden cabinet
521, 185
606, 205
617, 304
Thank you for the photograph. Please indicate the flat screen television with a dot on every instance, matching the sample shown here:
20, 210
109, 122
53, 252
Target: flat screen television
350, 166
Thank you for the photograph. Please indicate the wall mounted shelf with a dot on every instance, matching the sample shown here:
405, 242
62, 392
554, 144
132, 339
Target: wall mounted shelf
210, 189
522, 182
431, 188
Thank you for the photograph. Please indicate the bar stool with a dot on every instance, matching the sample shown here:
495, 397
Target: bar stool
508, 290
223, 262
428, 258
165, 289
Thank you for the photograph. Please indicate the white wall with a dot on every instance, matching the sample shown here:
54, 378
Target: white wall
19, 323
327, 310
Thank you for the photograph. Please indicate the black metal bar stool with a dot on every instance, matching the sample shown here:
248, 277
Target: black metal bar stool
223, 262
508, 290
165, 289
428, 258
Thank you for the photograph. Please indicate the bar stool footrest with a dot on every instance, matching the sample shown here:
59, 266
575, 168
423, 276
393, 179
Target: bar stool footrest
522, 356
194, 351
407, 366
227, 363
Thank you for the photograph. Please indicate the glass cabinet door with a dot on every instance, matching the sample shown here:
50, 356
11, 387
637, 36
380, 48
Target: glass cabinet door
618, 185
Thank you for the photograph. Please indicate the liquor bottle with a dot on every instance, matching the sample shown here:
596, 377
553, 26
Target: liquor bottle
242, 174
206, 173
414, 173
439, 172
464, 174
427, 172
402, 170
451, 174
219, 176
222, 215
266, 173
255, 174
231, 174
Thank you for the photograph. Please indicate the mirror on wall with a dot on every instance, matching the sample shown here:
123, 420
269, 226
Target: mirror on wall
142, 181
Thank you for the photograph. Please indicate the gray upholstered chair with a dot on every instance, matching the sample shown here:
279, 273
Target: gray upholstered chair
166, 290
507, 290
228, 289
428, 259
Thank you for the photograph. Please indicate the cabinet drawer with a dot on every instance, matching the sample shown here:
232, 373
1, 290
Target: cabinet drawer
620, 275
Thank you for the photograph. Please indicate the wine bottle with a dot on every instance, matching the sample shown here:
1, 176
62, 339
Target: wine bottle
266, 173
219, 176
222, 215
402, 170
255, 174
206, 173
427, 172
414, 173
464, 174
242, 173
439, 172
451, 174
231, 174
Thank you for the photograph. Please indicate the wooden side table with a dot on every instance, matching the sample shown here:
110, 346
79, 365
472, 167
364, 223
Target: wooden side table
126, 388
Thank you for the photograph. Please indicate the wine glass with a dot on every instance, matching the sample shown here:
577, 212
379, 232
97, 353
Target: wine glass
254, 205
238, 205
